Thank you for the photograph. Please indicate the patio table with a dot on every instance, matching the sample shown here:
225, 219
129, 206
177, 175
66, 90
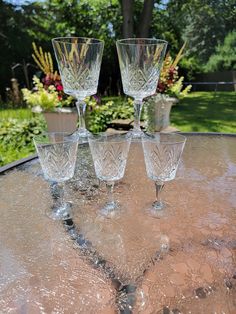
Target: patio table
184, 262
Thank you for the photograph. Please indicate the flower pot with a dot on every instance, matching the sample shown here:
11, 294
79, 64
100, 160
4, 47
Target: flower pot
63, 120
158, 109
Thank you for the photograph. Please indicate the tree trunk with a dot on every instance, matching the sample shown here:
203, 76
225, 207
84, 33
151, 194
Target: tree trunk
127, 12
145, 19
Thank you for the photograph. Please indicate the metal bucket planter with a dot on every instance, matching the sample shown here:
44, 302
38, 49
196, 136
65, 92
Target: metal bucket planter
62, 120
158, 109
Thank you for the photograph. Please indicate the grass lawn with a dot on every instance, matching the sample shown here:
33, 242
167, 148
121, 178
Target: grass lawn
206, 112
19, 113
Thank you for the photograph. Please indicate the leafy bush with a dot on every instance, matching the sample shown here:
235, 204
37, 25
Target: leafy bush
48, 98
16, 138
100, 115
190, 66
40, 97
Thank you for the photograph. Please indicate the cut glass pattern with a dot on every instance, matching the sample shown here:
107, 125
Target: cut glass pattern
58, 160
109, 159
138, 82
161, 160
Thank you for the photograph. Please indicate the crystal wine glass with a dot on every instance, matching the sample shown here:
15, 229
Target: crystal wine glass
57, 154
79, 61
140, 62
110, 154
162, 152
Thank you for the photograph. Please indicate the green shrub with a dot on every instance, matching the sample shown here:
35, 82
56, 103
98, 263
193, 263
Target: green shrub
16, 138
100, 115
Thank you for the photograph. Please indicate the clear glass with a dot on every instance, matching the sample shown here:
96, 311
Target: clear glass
140, 62
101, 266
110, 154
57, 154
79, 61
162, 152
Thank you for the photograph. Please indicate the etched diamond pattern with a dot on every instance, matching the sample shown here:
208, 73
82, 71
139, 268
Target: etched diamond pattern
79, 81
79, 65
58, 160
140, 65
109, 158
136, 80
161, 159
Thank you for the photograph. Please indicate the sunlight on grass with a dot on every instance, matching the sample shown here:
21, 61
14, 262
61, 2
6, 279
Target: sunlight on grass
19, 113
206, 112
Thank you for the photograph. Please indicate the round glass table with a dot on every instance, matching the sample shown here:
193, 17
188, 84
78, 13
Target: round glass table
184, 262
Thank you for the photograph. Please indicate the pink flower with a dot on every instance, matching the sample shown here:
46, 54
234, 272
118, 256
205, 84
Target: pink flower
59, 87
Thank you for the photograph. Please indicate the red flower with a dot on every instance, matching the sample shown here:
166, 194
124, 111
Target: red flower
59, 87
161, 87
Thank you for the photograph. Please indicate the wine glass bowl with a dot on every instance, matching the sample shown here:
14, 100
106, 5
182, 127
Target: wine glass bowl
140, 62
162, 153
57, 154
79, 61
109, 155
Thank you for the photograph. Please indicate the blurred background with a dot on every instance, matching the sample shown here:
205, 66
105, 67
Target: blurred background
208, 27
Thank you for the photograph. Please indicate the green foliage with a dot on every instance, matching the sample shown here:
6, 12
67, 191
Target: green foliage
100, 115
203, 24
14, 41
98, 19
123, 109
41, 21
9, 153
190, 66
18, 113
16, 137
177, 89
225, 56
46, 99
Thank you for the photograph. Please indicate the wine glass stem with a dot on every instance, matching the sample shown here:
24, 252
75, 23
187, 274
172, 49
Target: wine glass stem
81, 107
137, 113
110, 195
61, 188
159, 186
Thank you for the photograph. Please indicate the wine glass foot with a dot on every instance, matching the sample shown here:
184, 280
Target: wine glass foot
135, 134
81, 134
110, 210
62, 212
158, 209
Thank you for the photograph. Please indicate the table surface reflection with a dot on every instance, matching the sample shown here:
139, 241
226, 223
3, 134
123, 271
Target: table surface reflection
184, 262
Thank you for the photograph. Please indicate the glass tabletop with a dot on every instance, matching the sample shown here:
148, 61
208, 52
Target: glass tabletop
184, 262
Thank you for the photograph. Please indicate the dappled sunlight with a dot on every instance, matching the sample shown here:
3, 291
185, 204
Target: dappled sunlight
206, 112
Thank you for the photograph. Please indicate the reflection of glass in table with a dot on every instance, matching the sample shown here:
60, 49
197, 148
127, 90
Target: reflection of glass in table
184, 262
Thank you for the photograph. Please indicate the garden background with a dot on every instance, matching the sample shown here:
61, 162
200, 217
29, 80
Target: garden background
207, 27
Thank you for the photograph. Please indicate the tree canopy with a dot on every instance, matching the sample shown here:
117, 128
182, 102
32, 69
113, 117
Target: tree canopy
204, 24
